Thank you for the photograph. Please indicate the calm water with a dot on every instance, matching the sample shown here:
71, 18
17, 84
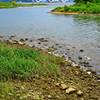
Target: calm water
83, 32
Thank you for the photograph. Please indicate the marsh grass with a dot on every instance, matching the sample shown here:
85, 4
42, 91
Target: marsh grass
24, 62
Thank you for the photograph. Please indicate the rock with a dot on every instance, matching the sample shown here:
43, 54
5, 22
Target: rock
43, 40
88, 58
12, 36
81, 50
49, 96
22, 87
39, 42
22, 40
30, 45
74, 64
21, 43
63, 86
70, 90
88, 72
26, 39
57, 84
69, 58
12, 41
79, 93
80, 58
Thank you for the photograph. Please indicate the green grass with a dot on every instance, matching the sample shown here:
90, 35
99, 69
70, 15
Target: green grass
25, 62
81, 8
6, 5
14, 4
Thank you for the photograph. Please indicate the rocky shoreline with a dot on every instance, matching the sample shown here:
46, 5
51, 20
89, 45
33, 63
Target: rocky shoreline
76, 82
51, 46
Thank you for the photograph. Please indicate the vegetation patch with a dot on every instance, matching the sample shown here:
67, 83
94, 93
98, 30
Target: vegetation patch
14, 4
25, 62
90, 8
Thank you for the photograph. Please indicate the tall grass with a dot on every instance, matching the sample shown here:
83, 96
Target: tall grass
23, 63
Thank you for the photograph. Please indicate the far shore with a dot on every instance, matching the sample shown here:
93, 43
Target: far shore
71, 13
67, 13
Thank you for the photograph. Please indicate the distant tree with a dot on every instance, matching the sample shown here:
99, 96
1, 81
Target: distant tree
14, 2
86, 1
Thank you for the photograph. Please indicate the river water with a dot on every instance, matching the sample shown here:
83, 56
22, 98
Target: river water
79, 31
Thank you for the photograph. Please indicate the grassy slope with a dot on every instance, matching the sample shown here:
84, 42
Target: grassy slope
31, 74
24, 62
14, 4
81, 8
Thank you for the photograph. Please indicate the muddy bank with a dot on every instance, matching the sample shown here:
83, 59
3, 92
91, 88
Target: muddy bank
72, 54
63, 13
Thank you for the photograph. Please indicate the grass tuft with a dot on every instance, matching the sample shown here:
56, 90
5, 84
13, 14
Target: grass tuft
25, 62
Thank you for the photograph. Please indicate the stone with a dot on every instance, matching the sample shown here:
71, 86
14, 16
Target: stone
30, 45
21, 43
43, 40
57, 84
26, 39
63, 86
88, 58
81, 50
49, 96
70, 90
80, 58
22, 40
74, 64
88, 72
79, 92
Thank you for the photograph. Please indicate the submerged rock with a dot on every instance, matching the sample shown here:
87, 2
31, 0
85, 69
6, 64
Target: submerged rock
81, 50
22, 40
79, 57
43, 40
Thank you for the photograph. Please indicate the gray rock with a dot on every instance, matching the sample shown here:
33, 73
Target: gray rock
81, 50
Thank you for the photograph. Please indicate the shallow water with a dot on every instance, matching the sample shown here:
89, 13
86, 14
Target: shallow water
79, 31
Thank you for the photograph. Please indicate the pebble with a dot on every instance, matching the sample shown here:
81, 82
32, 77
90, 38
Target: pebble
81, 50
63, 86
89, 73
21, 43
79, 92
49, 96
88, 58
70, 90
80, 58
57, 84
